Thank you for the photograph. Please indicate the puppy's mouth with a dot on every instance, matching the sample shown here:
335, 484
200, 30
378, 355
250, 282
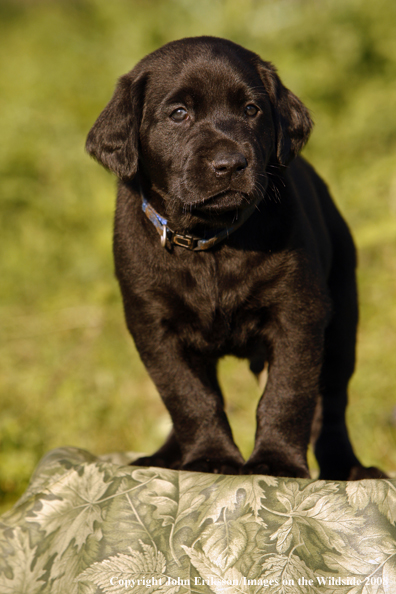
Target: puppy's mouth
219, 210
222, 202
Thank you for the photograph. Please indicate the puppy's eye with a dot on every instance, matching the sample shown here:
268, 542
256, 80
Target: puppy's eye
179, 114
251, 110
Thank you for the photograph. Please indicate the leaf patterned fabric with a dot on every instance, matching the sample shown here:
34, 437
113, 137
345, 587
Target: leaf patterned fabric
89, 525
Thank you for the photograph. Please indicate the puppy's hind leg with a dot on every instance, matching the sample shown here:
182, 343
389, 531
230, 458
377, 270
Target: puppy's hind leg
333, 448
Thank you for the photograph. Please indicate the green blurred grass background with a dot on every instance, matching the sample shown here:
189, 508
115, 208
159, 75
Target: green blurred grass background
69, 373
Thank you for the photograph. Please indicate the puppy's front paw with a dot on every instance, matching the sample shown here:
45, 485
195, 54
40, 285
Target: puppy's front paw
360, 472
157, 461
290, 471
214, 466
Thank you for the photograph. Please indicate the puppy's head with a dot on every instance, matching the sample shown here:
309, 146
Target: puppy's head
200, 119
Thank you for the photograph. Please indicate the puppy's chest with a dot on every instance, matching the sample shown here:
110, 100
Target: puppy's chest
220, 309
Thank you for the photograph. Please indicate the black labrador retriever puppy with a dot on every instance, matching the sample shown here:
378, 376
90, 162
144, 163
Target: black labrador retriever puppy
228, 243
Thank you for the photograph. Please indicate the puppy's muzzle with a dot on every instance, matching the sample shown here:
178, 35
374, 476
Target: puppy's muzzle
228, 165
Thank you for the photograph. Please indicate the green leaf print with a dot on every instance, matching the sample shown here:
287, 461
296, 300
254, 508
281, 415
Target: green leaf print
27, 572
136, 572
286, 572
224, 542
87, 526
316, 507
71, 507
229, 581
382, 493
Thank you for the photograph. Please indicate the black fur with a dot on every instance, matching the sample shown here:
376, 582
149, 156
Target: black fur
280, 289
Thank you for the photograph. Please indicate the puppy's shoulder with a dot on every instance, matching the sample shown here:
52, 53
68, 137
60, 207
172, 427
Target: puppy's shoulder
302, 173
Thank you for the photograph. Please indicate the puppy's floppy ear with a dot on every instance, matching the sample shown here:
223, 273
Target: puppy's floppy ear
113, 139
291, 118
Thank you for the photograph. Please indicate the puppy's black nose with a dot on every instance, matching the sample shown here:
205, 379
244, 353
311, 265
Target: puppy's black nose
225, 164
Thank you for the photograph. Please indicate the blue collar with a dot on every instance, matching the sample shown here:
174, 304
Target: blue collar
190, 242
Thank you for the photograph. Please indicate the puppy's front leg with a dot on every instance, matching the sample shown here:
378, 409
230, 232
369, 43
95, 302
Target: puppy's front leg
285, 411
188, 386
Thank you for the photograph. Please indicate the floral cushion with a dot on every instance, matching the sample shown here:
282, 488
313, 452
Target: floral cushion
93, 525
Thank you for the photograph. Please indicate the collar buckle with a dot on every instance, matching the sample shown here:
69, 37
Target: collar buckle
186, 241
